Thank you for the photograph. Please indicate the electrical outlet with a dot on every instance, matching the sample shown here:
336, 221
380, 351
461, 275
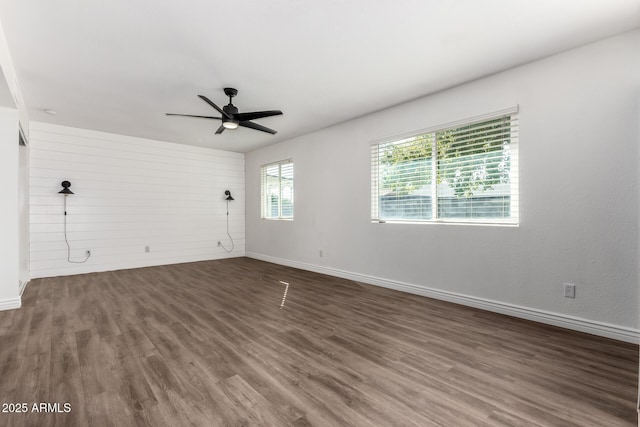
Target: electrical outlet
147, 249
321, 253
569, 290
219, 243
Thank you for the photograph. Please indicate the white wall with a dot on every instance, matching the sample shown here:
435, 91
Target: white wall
24, 273
579, 198
129, 193
11, 110
9, 284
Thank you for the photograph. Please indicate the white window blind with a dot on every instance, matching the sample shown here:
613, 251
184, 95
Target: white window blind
276, 190
462, 172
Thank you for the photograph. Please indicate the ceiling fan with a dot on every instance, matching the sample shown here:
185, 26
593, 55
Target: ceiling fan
231, 119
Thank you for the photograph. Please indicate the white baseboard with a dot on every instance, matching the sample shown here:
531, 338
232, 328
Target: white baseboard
10, 304
607, 330
23, 285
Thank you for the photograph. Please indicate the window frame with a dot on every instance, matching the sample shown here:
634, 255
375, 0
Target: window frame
514, 193
264, 207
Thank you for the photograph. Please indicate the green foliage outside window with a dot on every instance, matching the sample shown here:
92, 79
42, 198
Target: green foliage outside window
470, 159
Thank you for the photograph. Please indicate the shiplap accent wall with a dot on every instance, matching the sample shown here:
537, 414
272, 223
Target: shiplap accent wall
129, 193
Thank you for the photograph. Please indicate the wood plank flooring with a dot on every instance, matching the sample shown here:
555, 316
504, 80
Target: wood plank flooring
207, 344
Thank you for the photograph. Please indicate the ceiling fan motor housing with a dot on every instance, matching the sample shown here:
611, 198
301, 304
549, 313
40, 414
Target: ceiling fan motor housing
230, 109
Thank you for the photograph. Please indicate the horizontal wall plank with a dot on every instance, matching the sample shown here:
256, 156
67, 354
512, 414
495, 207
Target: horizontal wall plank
129, 229
129, 200
122, 142
183, 187
113, 253
84, 147
190, 209
142, 164
100, 216
121, 169
130, 245
47, 170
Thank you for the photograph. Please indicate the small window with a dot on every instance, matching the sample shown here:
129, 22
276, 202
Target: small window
463, 172
276, 190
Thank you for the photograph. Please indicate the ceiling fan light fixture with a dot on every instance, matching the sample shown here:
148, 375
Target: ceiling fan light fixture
230, 124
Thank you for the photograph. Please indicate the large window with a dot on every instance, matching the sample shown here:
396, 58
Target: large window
277, 190
461, 172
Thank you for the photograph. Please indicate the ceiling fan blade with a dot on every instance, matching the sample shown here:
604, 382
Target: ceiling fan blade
191, 115
220, 130
256, 126
257, 115
220, 110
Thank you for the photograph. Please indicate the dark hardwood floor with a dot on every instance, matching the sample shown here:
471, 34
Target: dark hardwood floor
207, 344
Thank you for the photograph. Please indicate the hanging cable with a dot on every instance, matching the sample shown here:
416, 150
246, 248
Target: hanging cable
67, 241
230, 238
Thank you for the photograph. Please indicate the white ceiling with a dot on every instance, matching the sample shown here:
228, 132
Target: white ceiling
119, 65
